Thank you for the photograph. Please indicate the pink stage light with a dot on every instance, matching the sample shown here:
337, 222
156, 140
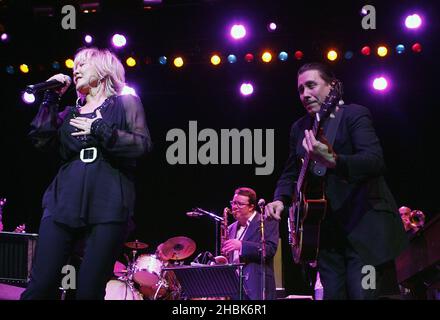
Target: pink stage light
238, 31
272, 26
413, 21
88, 39
380, 83
119, 40
246, 88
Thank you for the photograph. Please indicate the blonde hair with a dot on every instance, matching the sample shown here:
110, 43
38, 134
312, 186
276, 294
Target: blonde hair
109, 68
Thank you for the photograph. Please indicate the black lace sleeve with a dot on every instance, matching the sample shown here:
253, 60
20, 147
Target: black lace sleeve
45, 125
133, 142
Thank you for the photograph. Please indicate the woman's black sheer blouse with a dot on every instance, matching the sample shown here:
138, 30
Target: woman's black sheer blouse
102, 190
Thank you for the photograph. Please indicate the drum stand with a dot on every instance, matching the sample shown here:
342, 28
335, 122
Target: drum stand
162, 283
128, 277
175, 289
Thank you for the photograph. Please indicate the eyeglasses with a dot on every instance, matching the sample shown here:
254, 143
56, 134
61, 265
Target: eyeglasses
238, 204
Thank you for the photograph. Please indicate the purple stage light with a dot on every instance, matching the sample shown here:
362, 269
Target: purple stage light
380, 83
413, 21
28, 98
238, 31
272, 26
88, 39
119, 40
128, 90
246, 89
4, 37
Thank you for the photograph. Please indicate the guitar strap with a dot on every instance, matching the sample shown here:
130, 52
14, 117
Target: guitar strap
330, 134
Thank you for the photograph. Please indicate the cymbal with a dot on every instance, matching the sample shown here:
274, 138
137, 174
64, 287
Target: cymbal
136, 245
178, 248
160, 254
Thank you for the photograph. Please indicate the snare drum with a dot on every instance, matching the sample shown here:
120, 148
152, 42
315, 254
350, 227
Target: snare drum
120, 290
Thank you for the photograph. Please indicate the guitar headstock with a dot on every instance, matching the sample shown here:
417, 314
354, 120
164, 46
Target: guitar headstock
332, 99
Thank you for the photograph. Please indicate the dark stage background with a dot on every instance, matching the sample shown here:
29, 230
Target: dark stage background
405, 117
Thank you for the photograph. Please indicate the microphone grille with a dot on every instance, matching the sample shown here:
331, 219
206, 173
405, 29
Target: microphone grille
69, 79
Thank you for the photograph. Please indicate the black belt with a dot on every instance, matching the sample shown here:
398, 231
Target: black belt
91, 154
87, 155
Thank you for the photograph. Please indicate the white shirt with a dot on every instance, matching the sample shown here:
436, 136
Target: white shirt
241, 231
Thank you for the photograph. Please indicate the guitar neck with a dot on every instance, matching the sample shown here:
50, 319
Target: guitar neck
305, 164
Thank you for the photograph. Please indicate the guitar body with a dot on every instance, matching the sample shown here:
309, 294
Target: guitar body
305, 217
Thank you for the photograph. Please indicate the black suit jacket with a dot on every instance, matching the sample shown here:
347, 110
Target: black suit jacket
359, 198
250, 255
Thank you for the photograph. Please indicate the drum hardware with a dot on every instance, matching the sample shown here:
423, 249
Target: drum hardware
148, 273
143, 276
123, 288
136, 245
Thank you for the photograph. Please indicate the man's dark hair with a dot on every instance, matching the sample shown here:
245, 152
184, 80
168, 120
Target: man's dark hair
324, 71
248, 192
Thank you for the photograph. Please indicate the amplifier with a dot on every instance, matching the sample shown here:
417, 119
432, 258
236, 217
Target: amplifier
16, 254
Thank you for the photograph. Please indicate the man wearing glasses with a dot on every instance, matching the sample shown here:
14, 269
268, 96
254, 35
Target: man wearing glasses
244, 244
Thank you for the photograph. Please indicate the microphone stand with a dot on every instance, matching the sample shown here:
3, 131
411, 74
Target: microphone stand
263, 252
217, 219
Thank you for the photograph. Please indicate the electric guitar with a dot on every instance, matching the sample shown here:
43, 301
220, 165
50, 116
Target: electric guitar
309, 204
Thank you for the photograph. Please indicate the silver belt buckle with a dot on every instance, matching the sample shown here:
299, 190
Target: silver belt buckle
89, 159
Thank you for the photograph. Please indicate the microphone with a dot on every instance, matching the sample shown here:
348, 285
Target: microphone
262, 205
194, 214
51, 84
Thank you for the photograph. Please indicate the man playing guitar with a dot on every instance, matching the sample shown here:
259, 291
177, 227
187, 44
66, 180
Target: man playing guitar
360, 222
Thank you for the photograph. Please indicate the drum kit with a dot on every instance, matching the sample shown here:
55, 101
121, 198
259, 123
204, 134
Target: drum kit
144, 278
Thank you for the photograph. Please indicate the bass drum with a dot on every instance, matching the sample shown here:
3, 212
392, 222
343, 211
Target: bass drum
120, 290
147, 271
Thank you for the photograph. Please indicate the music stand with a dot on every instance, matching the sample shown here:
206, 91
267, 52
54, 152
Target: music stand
210, 281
